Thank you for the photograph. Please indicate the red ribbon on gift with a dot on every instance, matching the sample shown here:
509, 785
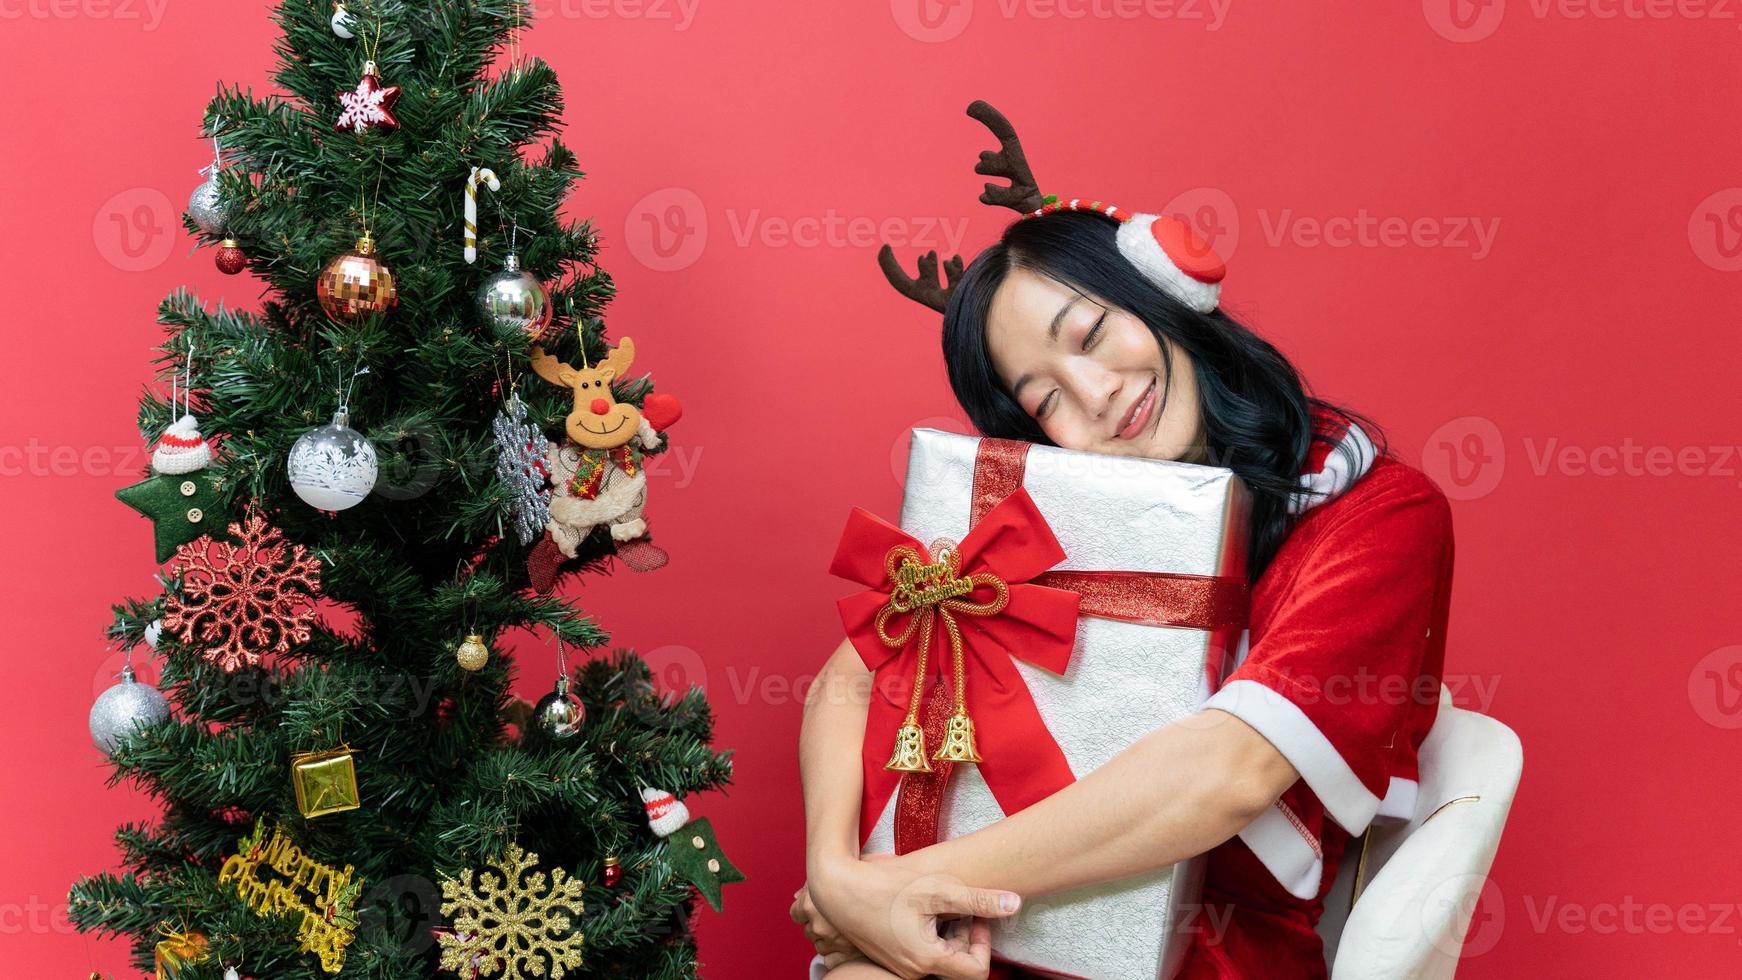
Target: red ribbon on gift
1011, 539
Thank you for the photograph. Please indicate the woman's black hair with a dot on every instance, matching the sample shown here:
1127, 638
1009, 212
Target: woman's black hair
1257, 415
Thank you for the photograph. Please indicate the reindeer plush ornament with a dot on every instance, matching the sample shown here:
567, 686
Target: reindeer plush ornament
597, 472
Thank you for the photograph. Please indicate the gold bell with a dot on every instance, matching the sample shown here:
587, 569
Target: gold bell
909, 754
958, 740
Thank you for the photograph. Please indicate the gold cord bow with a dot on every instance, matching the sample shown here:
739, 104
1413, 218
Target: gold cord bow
930, 591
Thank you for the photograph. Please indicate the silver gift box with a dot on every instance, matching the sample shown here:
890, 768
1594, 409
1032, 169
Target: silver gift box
1110, 513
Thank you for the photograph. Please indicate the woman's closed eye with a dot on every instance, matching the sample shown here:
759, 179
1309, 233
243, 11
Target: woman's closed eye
1088, 341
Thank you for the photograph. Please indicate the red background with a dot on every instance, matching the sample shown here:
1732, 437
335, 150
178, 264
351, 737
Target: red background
1595, 608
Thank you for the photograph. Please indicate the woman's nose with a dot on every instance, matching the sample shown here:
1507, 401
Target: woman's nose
1096, 388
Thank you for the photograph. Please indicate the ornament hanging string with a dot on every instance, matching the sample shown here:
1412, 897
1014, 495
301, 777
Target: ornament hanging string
366, 207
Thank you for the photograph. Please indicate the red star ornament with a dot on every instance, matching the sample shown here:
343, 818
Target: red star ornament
369, 105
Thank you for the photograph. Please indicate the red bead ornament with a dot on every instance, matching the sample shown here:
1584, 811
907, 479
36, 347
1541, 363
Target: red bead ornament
231, 259
613, 871
240, 600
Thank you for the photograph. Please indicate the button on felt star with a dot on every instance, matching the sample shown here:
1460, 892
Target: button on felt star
369, 105
181, 507
696, 857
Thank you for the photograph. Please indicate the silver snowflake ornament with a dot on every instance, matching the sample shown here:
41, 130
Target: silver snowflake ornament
521, 449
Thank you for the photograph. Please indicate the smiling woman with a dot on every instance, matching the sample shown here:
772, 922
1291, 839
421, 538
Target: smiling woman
1100, 330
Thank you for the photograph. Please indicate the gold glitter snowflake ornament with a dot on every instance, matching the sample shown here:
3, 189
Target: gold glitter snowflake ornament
511, 924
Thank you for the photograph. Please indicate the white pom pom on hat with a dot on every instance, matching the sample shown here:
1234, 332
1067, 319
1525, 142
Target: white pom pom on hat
181, 448
666, 814
1164, 248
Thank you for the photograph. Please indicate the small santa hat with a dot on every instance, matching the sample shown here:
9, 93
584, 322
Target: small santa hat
665, 813
1331, 469
181, 448
1164, 248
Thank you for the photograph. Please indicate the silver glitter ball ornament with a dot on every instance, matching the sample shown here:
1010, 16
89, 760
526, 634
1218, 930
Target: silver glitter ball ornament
124, 707
207, 207
559, 714
513, 302
333, 467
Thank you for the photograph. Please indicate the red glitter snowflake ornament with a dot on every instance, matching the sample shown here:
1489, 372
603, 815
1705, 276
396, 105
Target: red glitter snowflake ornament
243, 599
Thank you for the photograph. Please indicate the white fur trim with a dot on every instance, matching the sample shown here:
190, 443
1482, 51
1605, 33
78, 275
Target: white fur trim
1280, 846
1299, 740
1337, 474
1399, 802
1137, 243
648, 435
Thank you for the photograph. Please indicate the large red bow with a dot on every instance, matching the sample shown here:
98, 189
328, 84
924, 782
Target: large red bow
1022, 762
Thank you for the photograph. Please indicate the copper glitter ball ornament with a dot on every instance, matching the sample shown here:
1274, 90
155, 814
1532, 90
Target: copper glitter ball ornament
356, 284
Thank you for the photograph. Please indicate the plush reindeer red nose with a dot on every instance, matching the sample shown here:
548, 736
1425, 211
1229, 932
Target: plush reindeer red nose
600, 406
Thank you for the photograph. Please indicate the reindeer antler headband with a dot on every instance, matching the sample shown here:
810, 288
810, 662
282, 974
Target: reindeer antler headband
1163, 248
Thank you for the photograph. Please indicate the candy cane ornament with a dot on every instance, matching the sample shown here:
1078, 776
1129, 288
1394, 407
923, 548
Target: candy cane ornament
488, 178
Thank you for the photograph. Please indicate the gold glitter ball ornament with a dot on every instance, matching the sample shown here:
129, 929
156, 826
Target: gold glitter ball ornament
356, 284
513, 922
472, 654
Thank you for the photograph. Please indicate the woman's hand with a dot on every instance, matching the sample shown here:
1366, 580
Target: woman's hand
884, 910
834, 947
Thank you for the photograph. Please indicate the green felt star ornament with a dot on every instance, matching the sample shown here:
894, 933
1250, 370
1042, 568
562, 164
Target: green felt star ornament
181, 507
696, 857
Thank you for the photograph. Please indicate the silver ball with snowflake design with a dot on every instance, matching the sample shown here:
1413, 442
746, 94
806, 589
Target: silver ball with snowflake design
333, 467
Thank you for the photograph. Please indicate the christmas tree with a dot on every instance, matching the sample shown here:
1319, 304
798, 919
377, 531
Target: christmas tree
356, 492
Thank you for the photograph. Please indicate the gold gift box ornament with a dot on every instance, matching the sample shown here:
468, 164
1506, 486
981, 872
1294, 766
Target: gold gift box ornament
325, 781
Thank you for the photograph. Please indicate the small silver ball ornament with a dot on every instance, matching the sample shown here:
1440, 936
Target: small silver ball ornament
513, 302
207, 207
333, 467
341, 22
128, 705
559, 714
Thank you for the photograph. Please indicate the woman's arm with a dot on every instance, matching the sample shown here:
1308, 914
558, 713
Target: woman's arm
829, 746
896, 923
1176, 793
